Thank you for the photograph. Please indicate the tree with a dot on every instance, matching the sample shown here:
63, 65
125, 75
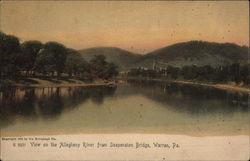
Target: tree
75, 63
9, 51
245, 74
98, 64
206, 72
44, 63
102, 69
53, 57
110, 70
235, 72
30, 51
173, 72
222, 74
189, 72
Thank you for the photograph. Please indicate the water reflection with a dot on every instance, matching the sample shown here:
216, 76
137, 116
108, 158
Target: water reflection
33, 103
192, 99
133, 105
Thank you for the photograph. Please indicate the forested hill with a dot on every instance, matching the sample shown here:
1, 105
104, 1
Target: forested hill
124, 59
196, 53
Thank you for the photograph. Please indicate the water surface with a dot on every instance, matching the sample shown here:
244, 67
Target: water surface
132, 107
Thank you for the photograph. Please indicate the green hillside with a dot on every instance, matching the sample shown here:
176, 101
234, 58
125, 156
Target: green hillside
124, 59
196, 53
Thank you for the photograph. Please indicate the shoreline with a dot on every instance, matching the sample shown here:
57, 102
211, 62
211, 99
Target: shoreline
50, 83
47, 84
60, 85
218, 86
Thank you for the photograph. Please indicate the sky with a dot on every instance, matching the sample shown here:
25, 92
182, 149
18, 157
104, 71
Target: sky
137, 26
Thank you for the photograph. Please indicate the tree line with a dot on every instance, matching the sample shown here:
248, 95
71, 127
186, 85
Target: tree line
51, 59
238, 73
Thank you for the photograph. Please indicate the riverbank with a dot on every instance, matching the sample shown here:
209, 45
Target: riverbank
44, 83
227, 87
219, 86
54, 82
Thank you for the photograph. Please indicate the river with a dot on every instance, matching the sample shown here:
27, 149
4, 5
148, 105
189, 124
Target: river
132, 107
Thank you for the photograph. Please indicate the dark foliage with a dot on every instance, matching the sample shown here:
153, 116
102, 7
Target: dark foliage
32, 58
231, 73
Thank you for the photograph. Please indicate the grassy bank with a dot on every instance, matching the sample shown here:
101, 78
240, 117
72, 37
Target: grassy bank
55, 82
49, 82
228, 87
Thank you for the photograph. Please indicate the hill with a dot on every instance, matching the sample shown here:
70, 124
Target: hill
124, 59
185, 53
195, 53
